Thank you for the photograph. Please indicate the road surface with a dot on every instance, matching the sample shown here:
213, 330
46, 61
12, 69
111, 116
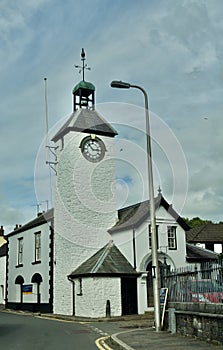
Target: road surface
21, 332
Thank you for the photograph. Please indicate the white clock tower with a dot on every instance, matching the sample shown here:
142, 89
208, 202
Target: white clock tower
84, 197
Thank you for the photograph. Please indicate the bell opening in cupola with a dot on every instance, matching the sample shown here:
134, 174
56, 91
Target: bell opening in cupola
84, 91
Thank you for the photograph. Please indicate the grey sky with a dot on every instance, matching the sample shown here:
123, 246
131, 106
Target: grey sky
173, 49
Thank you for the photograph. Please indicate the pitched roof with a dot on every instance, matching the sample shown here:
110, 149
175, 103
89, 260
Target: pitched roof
3, 250
39, 220
106, 261
206, 233
87, 121
135, 214
199, 254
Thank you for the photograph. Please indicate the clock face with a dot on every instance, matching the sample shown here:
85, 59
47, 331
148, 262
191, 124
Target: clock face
93, 149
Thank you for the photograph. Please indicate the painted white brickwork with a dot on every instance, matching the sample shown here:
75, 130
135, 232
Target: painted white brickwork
95, 293
27, 270
85, 208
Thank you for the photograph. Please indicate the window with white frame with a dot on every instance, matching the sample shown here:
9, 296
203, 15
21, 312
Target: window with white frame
20, 251
150, 236
172, 238
37, 246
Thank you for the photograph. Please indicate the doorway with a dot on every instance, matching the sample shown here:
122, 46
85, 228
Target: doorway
129, 295
149, 281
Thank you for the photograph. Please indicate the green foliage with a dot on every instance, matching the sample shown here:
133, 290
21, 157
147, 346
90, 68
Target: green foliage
220, 258
196, 221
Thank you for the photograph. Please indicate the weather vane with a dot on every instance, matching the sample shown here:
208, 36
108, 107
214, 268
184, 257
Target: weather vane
84, 65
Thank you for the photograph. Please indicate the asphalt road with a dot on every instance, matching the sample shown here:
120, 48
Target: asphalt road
20, 332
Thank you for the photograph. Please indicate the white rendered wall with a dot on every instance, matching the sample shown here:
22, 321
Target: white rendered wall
28, 269
84, 209
124, 240
2, 278
176, 258
95, 293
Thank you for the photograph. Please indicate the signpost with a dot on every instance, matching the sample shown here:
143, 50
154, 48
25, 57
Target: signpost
163, 301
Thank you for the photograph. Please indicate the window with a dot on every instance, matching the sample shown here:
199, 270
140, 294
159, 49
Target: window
20, 251
172, 239
79, 286
150, 236
37, 246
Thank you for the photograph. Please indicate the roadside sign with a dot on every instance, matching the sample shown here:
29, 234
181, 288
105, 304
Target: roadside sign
27, 289
163, 301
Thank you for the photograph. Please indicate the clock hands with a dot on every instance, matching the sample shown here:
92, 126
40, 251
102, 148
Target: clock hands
91, 144
93, 149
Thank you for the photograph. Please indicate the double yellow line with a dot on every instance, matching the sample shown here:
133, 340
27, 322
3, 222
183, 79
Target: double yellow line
100, 343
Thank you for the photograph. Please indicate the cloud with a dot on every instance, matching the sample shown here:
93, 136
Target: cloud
172, 49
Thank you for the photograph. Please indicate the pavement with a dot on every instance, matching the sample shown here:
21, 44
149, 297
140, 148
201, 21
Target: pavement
149, 339
135, 332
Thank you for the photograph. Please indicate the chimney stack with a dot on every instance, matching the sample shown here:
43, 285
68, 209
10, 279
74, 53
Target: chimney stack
1, 231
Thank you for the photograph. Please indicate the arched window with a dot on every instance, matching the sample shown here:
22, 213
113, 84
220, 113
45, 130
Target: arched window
19, 280
37, 278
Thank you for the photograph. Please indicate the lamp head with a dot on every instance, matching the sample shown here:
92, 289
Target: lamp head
120, 84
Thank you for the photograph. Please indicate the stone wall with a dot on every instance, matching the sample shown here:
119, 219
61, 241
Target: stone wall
204, 321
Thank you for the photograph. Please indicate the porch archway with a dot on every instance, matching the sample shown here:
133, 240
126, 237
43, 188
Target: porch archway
20, 280
37, 278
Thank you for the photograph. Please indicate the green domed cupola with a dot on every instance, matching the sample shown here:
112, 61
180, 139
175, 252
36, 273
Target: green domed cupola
84, 85
83, 92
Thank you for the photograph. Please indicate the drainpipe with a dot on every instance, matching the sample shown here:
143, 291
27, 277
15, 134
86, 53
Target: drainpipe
134, 248
73, 293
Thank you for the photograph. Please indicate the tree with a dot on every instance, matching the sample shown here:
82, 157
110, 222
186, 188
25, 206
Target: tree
196, 221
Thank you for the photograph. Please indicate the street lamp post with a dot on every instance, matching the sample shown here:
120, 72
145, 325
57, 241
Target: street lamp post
155, 266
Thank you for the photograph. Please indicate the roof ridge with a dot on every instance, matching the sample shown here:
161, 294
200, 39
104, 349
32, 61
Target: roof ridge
102, 258
134, 205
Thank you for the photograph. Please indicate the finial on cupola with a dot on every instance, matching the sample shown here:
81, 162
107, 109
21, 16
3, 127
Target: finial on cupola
159, 191
84, 65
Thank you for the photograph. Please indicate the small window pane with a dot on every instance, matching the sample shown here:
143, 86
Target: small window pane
150, 236
20, 251
172, 243
37, 246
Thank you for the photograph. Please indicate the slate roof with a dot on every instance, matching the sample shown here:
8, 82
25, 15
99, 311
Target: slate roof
3, 250
87, 121
199, 254
206, 233
135, 214
107, 261
39, 220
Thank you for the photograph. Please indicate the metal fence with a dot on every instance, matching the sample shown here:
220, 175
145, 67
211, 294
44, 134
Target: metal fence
202, 283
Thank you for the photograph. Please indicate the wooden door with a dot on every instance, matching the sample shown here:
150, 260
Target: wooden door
129, 296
